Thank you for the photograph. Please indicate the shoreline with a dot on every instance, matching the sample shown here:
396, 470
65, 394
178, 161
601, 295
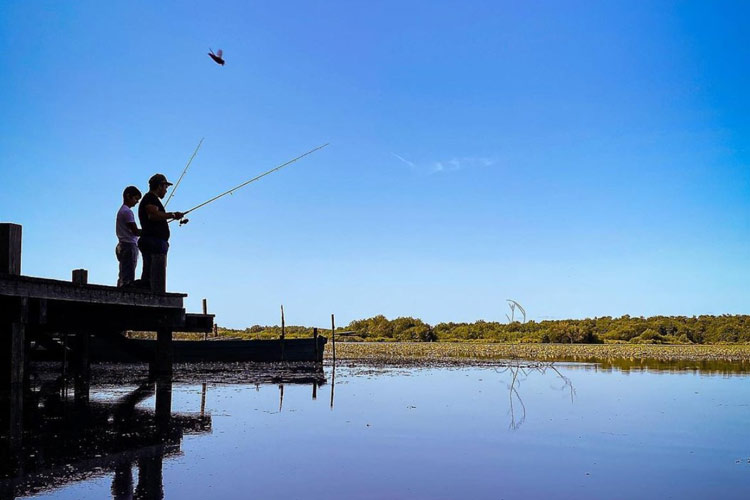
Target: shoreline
398, 353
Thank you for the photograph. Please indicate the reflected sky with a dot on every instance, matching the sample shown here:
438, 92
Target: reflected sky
449, 433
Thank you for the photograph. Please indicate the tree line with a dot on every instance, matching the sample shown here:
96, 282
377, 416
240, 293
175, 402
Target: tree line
638, 330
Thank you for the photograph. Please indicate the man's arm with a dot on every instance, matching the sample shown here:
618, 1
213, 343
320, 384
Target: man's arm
154, 214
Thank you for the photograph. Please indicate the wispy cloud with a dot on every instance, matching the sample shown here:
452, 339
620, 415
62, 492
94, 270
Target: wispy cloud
455, 164
410, 163
452, 165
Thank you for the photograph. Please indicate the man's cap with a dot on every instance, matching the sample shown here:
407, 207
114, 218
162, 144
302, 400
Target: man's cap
157, 179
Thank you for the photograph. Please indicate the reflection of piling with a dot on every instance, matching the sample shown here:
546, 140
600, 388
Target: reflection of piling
150, 476
122, 482
203, 399
163, 405
162, 365
333, 383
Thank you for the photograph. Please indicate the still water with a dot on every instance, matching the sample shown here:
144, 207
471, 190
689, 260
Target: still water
521, 431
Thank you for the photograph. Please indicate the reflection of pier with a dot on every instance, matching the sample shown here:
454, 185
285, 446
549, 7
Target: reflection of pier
65, 439
70, 434
63, 317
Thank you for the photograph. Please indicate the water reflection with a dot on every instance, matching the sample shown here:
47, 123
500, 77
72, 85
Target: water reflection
65, 439
707, 367
65, 430
333, 381
519, 371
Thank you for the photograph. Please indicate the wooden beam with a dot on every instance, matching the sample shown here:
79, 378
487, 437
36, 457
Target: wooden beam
10, 249
42, 288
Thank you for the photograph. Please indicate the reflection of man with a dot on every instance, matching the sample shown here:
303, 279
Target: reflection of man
154, 241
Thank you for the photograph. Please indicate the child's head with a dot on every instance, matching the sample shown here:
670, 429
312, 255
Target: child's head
131, 196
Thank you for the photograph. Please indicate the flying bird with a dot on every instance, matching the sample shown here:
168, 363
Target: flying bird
217, 57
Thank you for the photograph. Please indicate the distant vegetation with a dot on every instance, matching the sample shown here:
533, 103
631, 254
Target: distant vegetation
625, 329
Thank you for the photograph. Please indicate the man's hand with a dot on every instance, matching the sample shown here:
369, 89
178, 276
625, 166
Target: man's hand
178, 215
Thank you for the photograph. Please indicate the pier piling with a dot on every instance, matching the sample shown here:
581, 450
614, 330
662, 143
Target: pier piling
80, 276
10, 249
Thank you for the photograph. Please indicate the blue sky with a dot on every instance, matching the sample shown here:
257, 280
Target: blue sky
583, 158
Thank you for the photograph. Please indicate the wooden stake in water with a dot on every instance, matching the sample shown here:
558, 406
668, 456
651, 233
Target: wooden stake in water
333, 339
315, 339
205, 311
282, 333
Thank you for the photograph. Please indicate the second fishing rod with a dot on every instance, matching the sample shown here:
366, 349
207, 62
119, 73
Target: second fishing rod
184, 220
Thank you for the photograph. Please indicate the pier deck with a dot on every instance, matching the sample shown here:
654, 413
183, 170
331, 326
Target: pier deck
62, 316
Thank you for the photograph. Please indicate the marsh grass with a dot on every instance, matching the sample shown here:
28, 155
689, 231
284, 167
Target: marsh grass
398, 353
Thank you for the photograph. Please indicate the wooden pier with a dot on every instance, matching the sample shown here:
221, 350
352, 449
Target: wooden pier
63, 316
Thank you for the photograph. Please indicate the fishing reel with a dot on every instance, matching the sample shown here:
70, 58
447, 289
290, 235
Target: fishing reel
184, 221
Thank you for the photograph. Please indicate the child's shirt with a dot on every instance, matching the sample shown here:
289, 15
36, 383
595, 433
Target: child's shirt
124, 234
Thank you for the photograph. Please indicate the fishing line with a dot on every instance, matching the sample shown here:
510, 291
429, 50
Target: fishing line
183, 172
231, 191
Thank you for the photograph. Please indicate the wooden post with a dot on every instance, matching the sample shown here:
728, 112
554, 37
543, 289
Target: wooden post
12, 354
162, 364
282, 333
82, 362
82, 368
10, 249
205, 311
80, 276
333, 339
315, 339
18, 341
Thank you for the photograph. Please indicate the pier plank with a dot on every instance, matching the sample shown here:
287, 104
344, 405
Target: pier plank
44, 288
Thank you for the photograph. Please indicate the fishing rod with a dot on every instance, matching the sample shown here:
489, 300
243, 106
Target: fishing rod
230, 191
183, 172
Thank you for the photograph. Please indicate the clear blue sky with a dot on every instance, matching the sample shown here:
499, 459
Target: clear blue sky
583, 158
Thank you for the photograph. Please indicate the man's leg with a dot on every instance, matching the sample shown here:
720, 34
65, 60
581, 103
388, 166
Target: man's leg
146, 273
158, 272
